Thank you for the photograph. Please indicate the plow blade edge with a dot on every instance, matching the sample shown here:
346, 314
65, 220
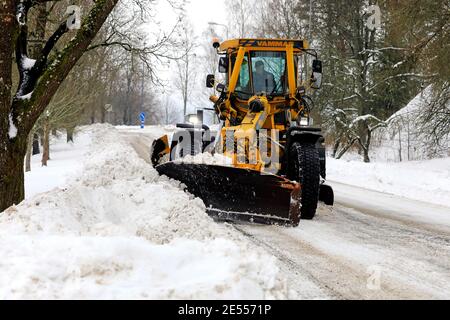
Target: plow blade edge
231, 193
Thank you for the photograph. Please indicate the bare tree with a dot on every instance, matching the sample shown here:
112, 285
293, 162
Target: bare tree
434, 120
281, 18
186, 65
240, 17
39, 81
41, 77
171, 111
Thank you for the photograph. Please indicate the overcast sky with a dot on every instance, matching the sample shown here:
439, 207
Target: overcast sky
199, 13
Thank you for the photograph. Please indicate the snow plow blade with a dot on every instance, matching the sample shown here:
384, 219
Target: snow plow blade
231, 193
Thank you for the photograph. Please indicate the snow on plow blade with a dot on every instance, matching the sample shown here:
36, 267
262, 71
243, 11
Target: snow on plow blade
231, 193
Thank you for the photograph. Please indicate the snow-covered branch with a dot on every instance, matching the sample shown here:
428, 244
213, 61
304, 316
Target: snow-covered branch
402, 75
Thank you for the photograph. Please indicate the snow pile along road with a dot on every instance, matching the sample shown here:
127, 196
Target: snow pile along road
119, 230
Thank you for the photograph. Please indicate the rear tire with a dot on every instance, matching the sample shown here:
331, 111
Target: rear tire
304, 167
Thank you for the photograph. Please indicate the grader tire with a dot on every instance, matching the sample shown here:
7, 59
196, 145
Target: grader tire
305, 168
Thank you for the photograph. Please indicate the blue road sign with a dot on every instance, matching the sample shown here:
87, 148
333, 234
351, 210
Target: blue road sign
142, 118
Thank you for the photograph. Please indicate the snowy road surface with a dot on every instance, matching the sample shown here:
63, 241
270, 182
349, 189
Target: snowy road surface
369, 245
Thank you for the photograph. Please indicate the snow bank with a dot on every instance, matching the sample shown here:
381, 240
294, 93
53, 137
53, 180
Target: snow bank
119, 230
70, 267
153, 130
426, 180
157, 131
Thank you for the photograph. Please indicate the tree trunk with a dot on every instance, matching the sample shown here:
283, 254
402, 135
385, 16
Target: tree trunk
364, 150
28, 155
167, 115
345, 148
11, 162
186, 82
36, 144
366, 155
367, 145
408, 141
46, 144
102, 115
12, 188
41, 137
69, 136
336, 145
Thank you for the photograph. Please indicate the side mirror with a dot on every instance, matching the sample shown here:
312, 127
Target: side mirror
223, 65
210, 81
216, 43
316, 77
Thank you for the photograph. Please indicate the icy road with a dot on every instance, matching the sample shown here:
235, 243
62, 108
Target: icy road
369, 245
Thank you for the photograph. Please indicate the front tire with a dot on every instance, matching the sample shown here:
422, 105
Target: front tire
304, 167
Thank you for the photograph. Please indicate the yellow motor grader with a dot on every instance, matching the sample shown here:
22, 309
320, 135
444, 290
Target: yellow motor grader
276, 167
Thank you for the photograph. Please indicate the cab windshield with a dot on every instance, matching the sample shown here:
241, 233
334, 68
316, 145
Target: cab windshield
268, 74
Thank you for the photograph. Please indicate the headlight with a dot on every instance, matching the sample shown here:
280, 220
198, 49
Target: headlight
192, 118
303, 121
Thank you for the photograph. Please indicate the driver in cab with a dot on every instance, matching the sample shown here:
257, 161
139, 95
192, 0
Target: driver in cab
262, 79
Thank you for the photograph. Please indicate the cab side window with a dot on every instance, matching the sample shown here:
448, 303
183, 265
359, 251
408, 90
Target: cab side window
243, 85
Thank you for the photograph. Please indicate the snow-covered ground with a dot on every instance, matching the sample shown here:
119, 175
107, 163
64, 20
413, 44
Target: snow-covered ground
116, 229
66, 161
425, 180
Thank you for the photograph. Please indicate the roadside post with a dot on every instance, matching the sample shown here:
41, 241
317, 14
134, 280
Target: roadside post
142, 119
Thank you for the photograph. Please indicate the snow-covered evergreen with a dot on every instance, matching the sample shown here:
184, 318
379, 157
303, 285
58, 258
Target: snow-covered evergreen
406, 137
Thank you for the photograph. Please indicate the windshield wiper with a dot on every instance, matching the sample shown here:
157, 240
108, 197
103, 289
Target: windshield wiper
244, 92
274, 89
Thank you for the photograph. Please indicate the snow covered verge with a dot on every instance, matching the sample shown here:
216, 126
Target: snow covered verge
66, 161
425, 180
119, 230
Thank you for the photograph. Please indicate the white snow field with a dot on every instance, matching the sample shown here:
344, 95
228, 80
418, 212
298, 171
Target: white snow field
116, 229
